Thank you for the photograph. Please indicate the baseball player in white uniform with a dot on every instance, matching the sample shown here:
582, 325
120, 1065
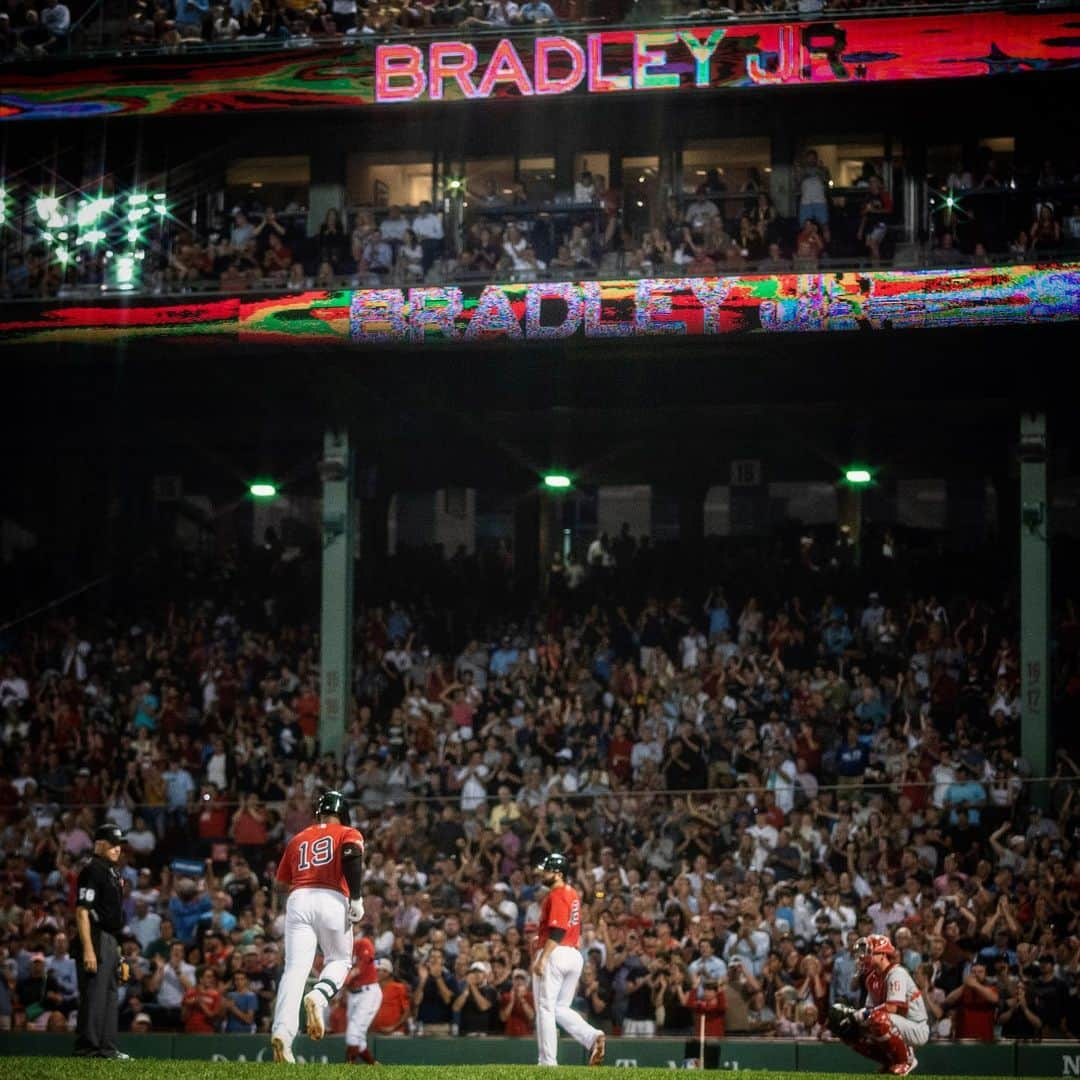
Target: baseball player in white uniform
323, 867
894, 1020
365, 997
557, 967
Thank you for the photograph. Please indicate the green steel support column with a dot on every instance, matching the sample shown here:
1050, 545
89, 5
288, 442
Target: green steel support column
338, 546
1034, 598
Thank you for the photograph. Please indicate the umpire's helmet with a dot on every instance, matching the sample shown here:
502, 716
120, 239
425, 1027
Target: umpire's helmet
332, 802
555, 863
110, 833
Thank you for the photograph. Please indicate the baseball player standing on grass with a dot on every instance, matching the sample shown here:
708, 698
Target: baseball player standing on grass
365, 997
557, 966
323, 868
894, 1020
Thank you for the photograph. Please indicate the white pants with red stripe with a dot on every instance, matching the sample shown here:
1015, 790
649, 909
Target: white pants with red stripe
314, 919
363, 1005
553, 993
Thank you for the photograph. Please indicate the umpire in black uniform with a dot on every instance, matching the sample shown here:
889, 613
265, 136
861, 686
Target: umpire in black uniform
100, 918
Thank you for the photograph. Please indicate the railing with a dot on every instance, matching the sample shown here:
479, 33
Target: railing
612, 267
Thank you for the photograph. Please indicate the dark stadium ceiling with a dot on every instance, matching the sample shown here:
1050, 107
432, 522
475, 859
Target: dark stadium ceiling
671, 413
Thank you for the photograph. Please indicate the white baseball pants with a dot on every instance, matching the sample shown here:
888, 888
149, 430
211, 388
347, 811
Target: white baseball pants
314, 919
553, 993
363, 1005
914, 1033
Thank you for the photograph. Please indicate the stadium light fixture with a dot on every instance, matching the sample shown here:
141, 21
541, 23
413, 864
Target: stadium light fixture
262, 489
858, 475
557, 481
125, 272
46, 206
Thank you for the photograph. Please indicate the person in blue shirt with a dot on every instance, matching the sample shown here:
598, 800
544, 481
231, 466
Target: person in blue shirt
836, 637
186, 910
719, 616
538, 11
851, 758
503, 659
241, 1006
179, 787
870, 709
965, 792
146, 707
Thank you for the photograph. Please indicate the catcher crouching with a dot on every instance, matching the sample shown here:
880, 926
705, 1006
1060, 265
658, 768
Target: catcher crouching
893, 1020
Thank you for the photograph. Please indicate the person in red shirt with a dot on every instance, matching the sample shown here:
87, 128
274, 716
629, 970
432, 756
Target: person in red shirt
306, 707
619, 752
712, 1006
557, 966
323, 869
202, 1005
394, 1010
365, 997
977, 1003
517, 1010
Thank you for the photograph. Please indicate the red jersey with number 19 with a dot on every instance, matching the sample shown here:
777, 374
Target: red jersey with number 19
312, 859
561, 909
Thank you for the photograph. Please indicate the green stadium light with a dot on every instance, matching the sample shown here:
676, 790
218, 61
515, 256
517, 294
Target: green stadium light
262, 489
557, 481
858, 475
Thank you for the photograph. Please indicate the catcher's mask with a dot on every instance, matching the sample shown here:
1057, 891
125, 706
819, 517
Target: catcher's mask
866, 948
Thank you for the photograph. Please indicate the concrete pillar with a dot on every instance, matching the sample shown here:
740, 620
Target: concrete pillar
1034, 598
338, 548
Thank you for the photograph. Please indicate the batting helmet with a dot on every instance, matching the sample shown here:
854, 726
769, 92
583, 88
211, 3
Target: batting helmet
332, 802
555, 863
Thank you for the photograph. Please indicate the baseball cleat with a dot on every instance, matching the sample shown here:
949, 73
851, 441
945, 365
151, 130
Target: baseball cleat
313, 1011
596, 1055
908, 1066
282, 1053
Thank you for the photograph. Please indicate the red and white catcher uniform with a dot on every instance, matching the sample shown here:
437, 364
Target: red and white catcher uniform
365, 998
316, 917
894, 1019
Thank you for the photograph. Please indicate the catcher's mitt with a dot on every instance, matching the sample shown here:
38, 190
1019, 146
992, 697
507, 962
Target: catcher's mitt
843, 1022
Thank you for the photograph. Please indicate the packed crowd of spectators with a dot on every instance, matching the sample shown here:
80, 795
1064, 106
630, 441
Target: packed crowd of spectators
33, 30
508, 234
744, 784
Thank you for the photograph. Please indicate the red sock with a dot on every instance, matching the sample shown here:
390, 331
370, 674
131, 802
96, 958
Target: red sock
367, 1055
351, 1054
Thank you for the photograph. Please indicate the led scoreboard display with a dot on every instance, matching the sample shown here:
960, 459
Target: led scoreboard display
674, 59
733, 55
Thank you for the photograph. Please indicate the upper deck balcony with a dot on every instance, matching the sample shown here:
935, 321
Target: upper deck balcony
169, 57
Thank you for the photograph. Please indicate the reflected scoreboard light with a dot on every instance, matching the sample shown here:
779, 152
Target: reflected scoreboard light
556, 311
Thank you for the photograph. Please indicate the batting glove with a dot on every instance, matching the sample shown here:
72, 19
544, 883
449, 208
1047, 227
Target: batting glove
863, 1015
356, 910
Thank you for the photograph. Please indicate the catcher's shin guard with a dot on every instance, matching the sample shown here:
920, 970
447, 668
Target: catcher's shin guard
880, 1029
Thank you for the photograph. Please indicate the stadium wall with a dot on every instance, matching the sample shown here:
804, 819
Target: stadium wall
945, 1059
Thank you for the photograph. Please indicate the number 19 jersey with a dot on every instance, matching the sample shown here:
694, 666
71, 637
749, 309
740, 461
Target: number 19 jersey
312, 859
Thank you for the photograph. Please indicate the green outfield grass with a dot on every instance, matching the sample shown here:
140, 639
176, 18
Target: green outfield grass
57, 1068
